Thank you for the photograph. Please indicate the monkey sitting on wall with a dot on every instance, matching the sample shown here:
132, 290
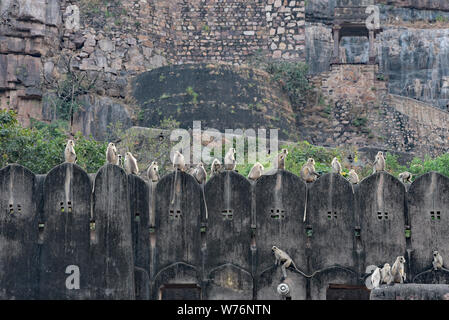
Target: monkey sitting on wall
69, 152
336, 166
153, 172
281, 159
256, 171
215, 168
131, 164
111, 154
398, 270
229, 160
282, 257
308, 173
437, 261
379, 162
405, 177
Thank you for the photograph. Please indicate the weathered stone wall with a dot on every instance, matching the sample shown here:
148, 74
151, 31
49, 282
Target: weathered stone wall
233, 30
359, 111
108, 43
132, 240
411, 48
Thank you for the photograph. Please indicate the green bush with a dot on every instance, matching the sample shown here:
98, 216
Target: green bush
293, 78
41, 147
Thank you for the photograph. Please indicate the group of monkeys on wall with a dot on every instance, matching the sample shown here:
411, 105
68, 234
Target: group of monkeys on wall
376, 275
308, 172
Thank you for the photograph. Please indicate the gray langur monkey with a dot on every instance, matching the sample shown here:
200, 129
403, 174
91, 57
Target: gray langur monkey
437, 261
69, 152
376, 278
178, 164
336, 166
229, 160
215, 168
256, 171
385, 273
308, 173
398, 270
179, 161
200, 174
353, 177
131, 164
284, 258
379, 162
153, 172
281, 159
111, 154
405, 177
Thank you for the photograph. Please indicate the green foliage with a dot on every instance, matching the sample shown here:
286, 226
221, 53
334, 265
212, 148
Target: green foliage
441, 19
299, 153
193, 94
293, 78
380, 77
41, 147
360, 121
419, 166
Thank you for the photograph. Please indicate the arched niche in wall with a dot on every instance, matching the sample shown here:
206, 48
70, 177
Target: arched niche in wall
112, 250
19, 232
280, 202
330, 208
381, 217
66, 235
228, 259
177, 234
428, 208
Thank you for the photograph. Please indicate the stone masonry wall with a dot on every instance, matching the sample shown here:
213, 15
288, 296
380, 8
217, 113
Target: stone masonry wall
130, 239
113, 41
359, 111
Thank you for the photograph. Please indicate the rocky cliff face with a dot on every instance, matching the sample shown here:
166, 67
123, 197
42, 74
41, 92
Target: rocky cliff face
416, 63
412, 49
28, 31
106, 48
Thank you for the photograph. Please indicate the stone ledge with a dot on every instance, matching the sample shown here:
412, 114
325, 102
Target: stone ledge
411, 292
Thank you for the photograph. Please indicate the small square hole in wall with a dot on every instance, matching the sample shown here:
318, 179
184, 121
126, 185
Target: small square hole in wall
175, 214
137, 217
435, 215
11, 209
277, 213
331, 215
228, 214
62, 206
383, 215
69, 206
19, 208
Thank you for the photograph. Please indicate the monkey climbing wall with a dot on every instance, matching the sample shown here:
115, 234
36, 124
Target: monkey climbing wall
68, 235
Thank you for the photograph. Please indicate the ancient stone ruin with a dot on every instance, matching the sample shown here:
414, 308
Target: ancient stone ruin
127, 239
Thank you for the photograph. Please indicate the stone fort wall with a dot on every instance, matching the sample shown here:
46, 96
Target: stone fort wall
135, 240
